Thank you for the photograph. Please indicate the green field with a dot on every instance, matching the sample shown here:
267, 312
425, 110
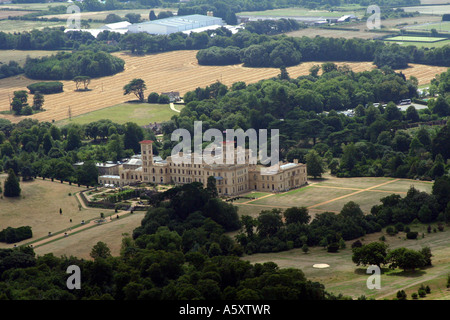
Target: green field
140, 113
20, 56
435, 10
331, 194
299, 12
34, 6
425, 44
26, 25
440, 26
415, 39
343, 276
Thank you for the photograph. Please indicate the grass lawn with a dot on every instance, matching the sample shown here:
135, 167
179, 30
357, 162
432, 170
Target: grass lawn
38, 207
331, 194
439, 26
424, 44
26, 25
20, 56
301, 12
34, 6
415, 39
343, 276
140, 113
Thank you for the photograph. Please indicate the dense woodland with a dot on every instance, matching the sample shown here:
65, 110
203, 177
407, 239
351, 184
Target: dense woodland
66, 66
180, 252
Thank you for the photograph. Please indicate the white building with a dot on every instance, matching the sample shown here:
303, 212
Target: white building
120, 27
176, 24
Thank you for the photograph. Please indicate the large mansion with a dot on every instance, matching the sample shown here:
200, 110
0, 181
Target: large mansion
231, 179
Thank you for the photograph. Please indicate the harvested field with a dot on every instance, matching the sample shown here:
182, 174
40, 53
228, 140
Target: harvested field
20, 56
4, 14
170, 71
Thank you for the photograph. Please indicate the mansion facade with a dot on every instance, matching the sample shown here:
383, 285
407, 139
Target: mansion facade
231, 179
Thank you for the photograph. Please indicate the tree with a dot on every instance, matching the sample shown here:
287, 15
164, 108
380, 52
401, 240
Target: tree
136, 86
406, 259
284, 74
100, 250
373, 253
16, 106
269, 222
38, 101
314, 164
87, 174
153, 97
133, 134
133, 17
12, 185
85, 80
152, 15
296, 215
211, 187
73, 139
441, 107
412, 115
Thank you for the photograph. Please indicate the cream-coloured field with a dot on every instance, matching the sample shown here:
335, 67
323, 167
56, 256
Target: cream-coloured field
38, 207
170, 71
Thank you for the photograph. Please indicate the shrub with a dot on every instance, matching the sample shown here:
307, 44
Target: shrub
414, 296
46, 87
357, 244
333, 247
422, 293
163, 99
406, 229
391, 231
401, 295
399, 226
412, 235
153, 97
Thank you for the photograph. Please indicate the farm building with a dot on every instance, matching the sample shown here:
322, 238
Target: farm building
175, 24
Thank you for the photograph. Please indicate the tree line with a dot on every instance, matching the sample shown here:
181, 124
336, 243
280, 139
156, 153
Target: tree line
39, 149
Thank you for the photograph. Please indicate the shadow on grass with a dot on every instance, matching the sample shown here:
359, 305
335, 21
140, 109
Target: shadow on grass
317, 179
407, 274
363, 271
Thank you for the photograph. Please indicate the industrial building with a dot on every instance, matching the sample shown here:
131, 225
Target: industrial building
176, 24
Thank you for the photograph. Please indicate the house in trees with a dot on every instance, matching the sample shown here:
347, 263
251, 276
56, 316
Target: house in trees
173, 95
231, 179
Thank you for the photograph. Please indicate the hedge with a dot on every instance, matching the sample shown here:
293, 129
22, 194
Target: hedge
46, 87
